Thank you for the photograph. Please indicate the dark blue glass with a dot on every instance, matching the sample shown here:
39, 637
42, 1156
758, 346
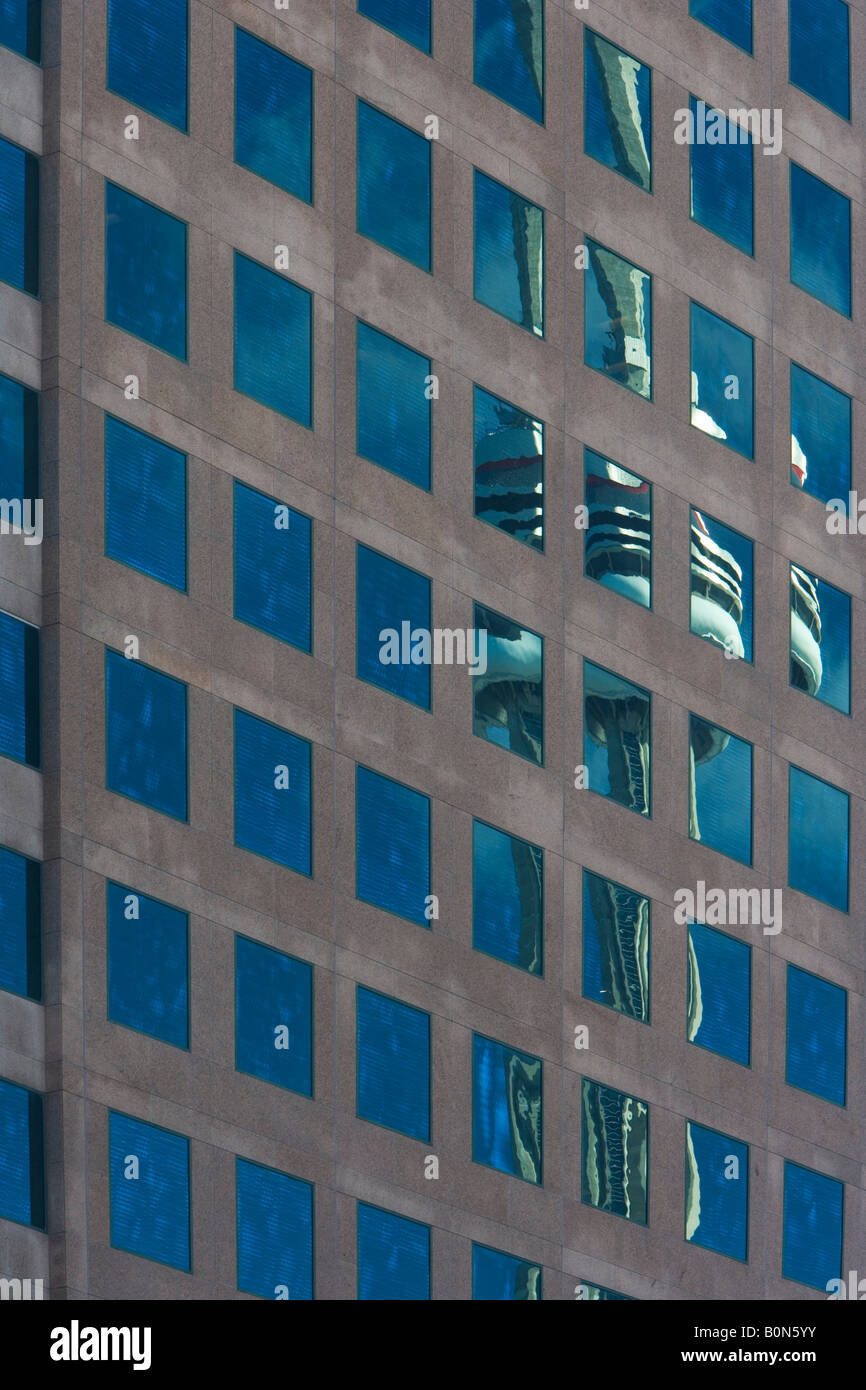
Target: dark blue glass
730, 18
722, 178
275, 1234
273, 793
19, 691
20, 925
717, 1191
597, 1293
501, 1278
148, 965
617, 550
820, 240
393, 1064
618, 320
616, 947
812, 1238
507, 1115
819, 53
273, 567
392, 844
22, 1170
507, 898
508, 685
820, 639
393, 627
722, 585
145, 735
145, 271
816, 1035
818, 839
617, 738
720, 811
21, 27
723, 381
273, 1016
145, 503
393, 1257
509, 469
273, 115
617, 120
509, 254
409, 19
273, 340
615, 1152
719, 993
394, 186
149, 1174
147, 56
509, 53
19, 217
820, 437
19, 441
394, 415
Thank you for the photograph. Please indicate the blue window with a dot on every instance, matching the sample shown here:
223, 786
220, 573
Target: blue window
275, 1234
509, 52
394, 416
273, 1016
145, 271
20, 924
147, 56
617, 550
818, 51
722, 176
273, 115
148, 965
720, 789
730, 18
617, 738
616, 947
507, 1116
719, 993
722, 585
820, 437
818, 839
149, 1177
618, 320
409, 19
501, 1278
21, 27
717, 1191
19, 441
820, 639
393, 627
723, 386
392, 846
597, 1293
19, 217
615, 1152
617, 121
812, 1238
145, 503
393, 1064
273, 793
509, 254
509, 469
394, 186
273, 340
22, 1164
507, 898
816, 1037
508, 685
146, 735
273, 567
820, 240
393, 1257
19, 691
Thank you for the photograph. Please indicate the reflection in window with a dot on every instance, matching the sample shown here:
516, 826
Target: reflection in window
394, 416
19, 441
393, 1071
503, 1278
617, 109
509, 52
617, 549
721, 585
394, 172
20, 924
820, 639
508, 697
719, 993
509, 254
730, 18
273, 1016
820, 240
392, 846
722, 177
273, 574
19, 217
812, 1236
507, 898
273, 340
818, 47
816, 1035
273, 793
148, 953
145, 271
21, 27
720, 789
506, 1109
818, 839
392, 606
616, 946
146, 735
820, 437
22, 1163
273, 115
722, 380
509, 469
145, 503
147, 56
150, 1214
615, 1152
597, 1293
393, 1257
20, 732
275, 1233
618, 320
717, 1191
616, 743
410, 19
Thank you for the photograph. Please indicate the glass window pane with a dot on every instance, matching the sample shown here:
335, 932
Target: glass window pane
392, 846
597, 1293
818, 839
818, 46
616, 742
146, 735
820, 639
617, 549
393, 1257
509, 469
812, 1244
509, 254
507, 898
147, 56
273, 577
21, 27
507, 1115
145, 503
273, 340
615, 1152
509, 52
273, 115
720, 789
20, 924
393, 627
273, 1016
19, 217
148, 965
19, 443
717, 1191
722, 585
275, 1234
730, 18
820, 240
618, 320
149, 1170
719, 993
617, 109
22, 1168
816, 1035
394, 186
723, 389
273, 796
820, 437
145, 271
616, 947
722, 176
497, 1277
395, 418
393, 1042
508, 695
19, 691
410, 19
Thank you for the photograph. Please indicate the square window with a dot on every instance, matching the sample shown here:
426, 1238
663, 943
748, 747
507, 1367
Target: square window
820, 240
273, 1016
392, 605
273, 340
618, 320
617, 548
394, 186
275, 1233
145, 271
617, 738
507, 898
19, 444
723, 381
615, 1152
147, 56
393, 1257
19, 691
393, 1061
730, 18
22, 1162
148, 965
509, 254
617, 119
720, 789
820, 438
20, 925
273, 567
21, 27
719, 972
508, 694
509, 469
818, 46
717, 1191
19, 218
722, 176
616, 947
146, 735
149, 1177
507, 1115
394, 414
501, 1278
818, 838
820, 639
273, 115
509, 53
145, 503
812, 1241
816, 1050
722, 585
409, 19
273, 793
392, 845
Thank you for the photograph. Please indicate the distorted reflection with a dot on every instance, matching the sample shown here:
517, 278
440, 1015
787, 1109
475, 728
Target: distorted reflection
509, 254
507, 1109
509, 469
618, 544
509, 52
820, 437
720, 789
820, 639
617, 737
508, 698
722, 380
500, 1277
615, 1151
717, 1191
618, 320
719, 993
616, 946
721, 585
617, 111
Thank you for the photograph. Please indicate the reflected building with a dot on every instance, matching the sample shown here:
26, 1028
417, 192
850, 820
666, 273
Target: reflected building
618, 75
615, 1151
623, 348
620, 919
509, 469
509, 696
716, 590
617, 719
618, 547
806, 666
523, 1094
